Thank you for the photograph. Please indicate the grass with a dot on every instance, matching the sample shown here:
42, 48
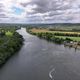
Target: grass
39, 30
8, 33
73, 38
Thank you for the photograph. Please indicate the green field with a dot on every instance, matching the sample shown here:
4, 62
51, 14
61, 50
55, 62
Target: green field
73, 38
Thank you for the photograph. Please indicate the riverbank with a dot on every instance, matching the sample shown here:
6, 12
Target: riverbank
75, 36
10, 43
56, 37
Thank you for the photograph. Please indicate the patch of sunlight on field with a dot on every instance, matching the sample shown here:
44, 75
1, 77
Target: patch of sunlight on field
9, 33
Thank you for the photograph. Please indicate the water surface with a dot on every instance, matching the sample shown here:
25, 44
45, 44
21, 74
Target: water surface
42, 60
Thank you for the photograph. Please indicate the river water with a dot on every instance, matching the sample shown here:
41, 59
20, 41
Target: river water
42, 60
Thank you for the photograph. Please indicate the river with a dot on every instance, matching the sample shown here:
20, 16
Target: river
42, 60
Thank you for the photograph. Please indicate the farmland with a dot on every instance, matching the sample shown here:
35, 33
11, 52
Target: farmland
64, 33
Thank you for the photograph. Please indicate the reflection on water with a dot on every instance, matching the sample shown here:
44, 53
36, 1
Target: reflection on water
42, 60
52, 73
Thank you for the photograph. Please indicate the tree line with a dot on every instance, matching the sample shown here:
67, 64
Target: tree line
67, 34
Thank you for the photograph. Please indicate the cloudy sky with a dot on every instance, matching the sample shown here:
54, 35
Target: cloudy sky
39, 11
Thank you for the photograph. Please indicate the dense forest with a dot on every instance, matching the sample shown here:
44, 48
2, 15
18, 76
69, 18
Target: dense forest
10, 43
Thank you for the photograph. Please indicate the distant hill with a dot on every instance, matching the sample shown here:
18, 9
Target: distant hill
41, 25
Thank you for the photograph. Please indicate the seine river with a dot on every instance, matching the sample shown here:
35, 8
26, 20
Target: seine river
42, 60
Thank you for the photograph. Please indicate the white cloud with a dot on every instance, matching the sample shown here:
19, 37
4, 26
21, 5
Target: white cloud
40, 10
23, 1
29, 8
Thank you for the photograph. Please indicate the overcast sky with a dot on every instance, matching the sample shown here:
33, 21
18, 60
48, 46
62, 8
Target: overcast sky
39, 11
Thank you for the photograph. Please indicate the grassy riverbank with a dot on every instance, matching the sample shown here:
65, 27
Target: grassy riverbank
10, 43
50, 37
71, 39
75, 36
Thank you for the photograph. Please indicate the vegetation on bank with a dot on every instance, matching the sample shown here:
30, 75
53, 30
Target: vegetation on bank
75, 36
71, 39
51, 37
10, 43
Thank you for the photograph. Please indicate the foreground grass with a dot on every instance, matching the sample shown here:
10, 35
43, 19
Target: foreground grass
10, 43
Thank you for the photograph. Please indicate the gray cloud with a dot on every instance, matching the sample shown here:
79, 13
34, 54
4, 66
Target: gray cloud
57, 9
45, 11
